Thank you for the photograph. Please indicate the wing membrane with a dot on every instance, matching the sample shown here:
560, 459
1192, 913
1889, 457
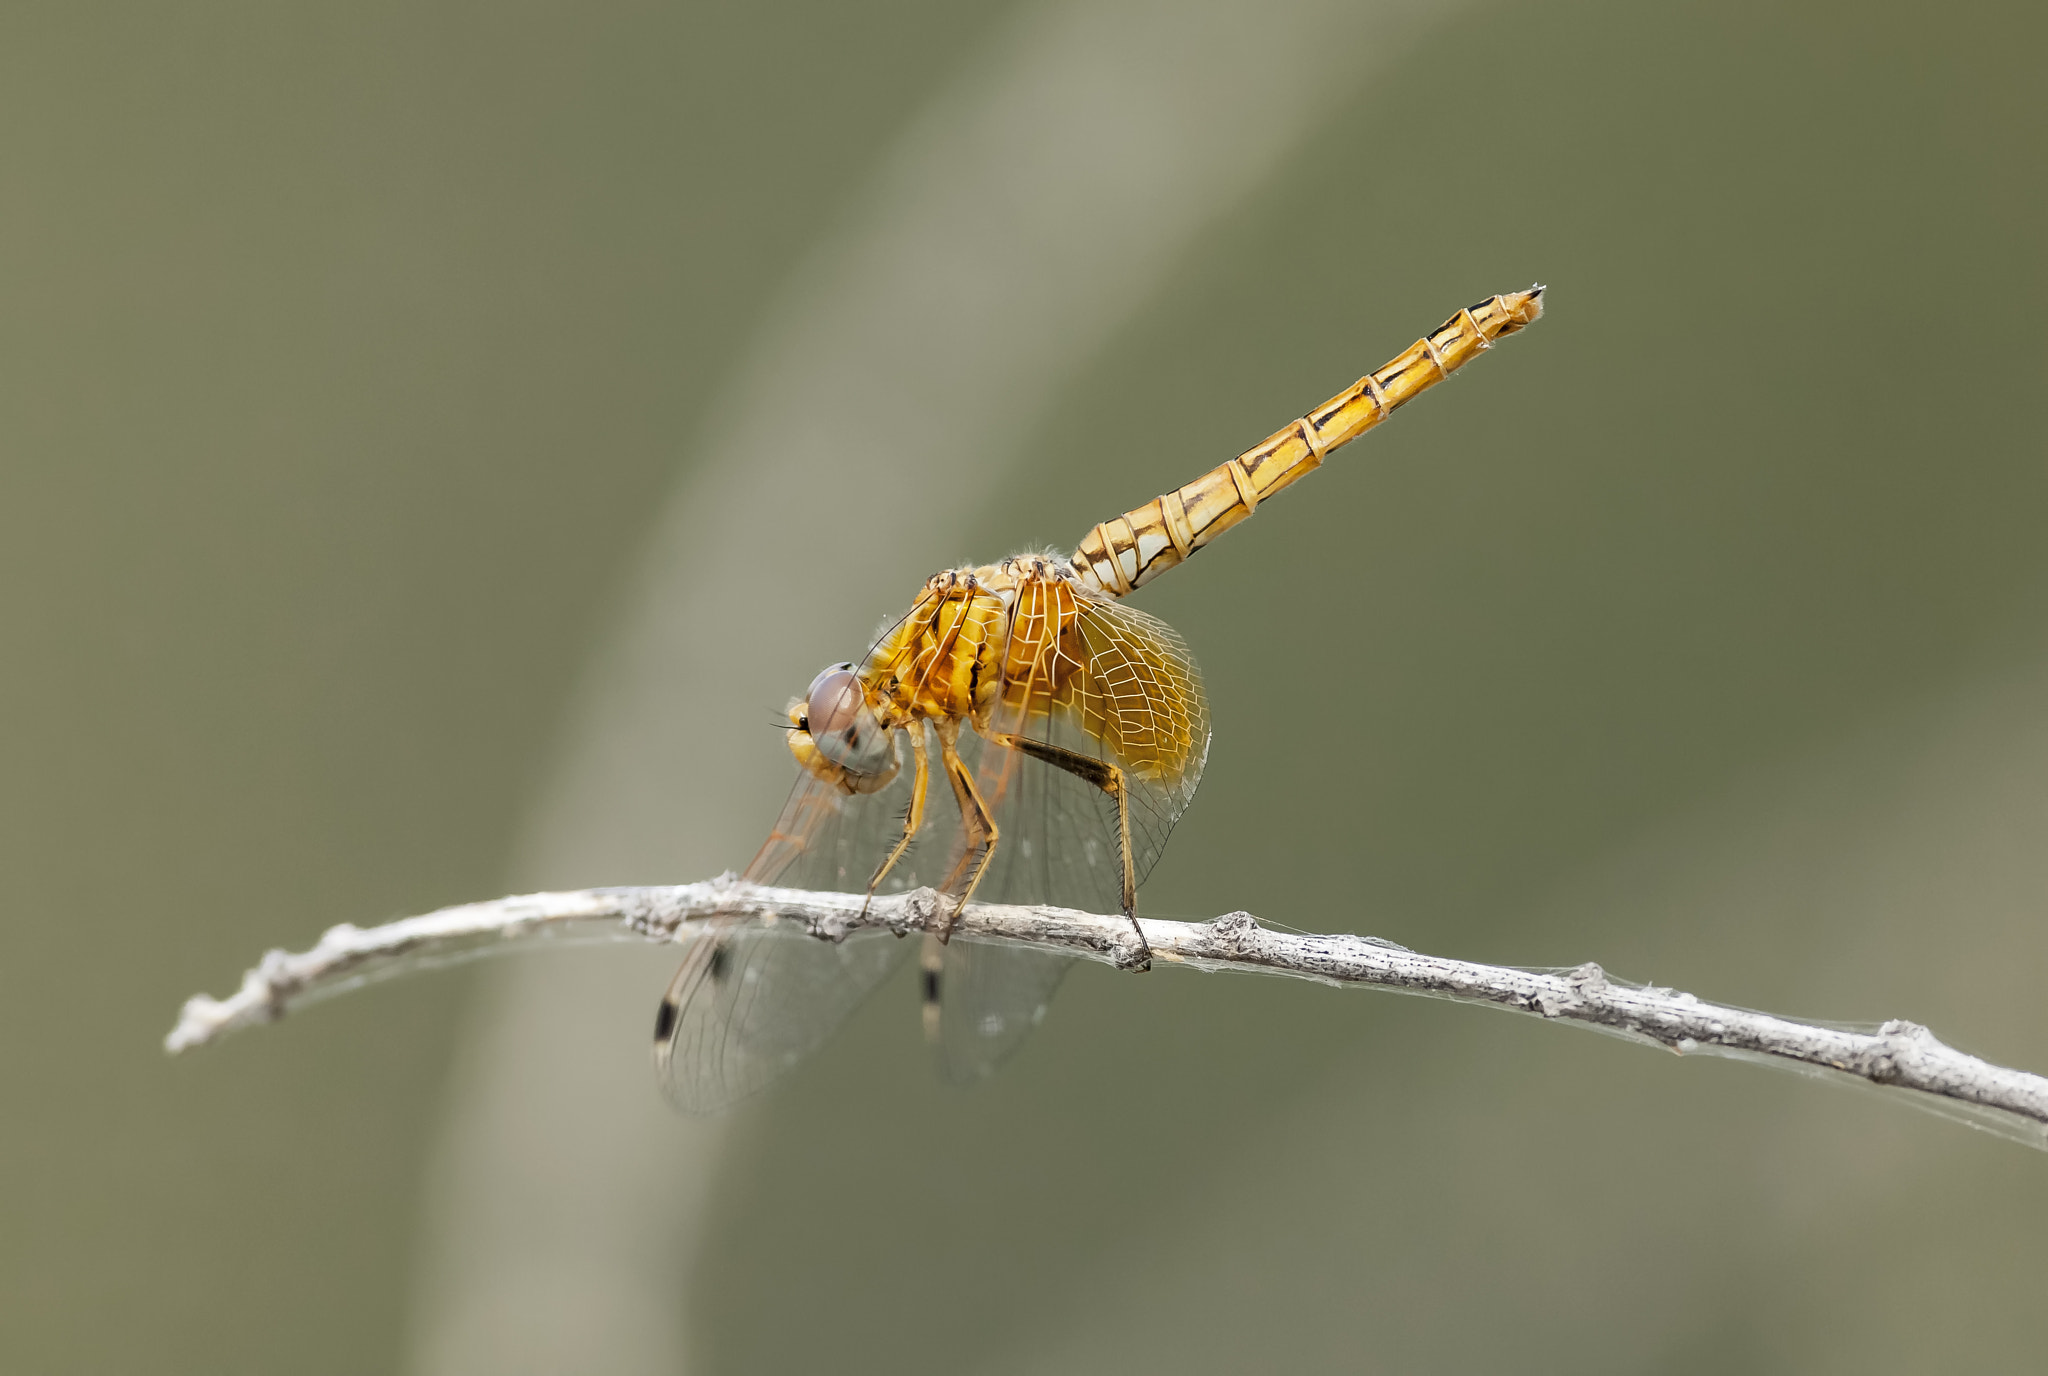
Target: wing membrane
1139, 696
1057, 846
1117, 686
753, 998
990, 997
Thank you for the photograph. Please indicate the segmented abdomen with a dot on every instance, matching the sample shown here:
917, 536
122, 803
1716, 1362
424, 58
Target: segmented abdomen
1139, 545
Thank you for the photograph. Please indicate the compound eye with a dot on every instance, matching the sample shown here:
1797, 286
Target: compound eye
834, 700
843, 729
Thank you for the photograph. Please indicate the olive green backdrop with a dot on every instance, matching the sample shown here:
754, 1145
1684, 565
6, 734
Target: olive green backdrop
345, 355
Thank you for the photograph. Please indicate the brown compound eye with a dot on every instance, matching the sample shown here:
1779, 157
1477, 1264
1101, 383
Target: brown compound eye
843, 729
834, 700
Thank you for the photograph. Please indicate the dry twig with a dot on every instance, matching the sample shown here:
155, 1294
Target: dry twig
1901, 1057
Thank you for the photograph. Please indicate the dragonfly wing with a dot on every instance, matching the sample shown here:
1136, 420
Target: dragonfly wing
752, 1001
990, 996
1135, 701
754, 997
983, 998
1057, 832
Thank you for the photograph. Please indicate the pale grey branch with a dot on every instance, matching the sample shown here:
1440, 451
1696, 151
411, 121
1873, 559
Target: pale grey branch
1896, 1056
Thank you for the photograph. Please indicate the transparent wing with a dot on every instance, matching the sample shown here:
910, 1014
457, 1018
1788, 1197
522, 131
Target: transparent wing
752, 1001
1125, 691
988, 999
754, 998
1055, 847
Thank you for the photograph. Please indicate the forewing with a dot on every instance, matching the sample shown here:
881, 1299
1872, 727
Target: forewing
755, 997
752, 1001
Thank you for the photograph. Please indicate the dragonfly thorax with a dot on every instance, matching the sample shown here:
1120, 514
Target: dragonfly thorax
978, 641
978, 644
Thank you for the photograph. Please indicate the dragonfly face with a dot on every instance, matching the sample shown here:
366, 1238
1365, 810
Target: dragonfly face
1062, 734
837, 737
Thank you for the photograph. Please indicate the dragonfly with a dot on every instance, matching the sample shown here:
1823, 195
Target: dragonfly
1067, 729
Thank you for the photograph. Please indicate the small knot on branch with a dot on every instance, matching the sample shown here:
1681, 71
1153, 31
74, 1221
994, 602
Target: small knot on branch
918, 911
658, 913
828, 927
1897, 1040
1581, 985
272, 982
1236, 932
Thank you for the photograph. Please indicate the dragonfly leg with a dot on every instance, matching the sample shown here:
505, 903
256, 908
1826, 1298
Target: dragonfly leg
979, 827
979, 844
1110, 780
913, 816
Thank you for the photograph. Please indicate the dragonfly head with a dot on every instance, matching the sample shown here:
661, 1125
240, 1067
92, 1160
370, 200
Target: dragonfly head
837, 735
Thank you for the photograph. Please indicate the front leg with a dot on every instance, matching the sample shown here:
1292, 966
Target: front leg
913, 816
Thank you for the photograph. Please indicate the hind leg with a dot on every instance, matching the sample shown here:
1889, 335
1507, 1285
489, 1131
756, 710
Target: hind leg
1110, 780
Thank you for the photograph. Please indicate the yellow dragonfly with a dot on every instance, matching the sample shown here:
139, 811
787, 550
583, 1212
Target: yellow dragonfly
1070, 730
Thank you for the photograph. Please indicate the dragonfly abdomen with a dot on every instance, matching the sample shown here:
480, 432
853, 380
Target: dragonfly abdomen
1124, 553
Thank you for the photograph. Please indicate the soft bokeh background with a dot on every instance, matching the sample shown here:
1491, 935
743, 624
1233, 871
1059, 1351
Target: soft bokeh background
434, 439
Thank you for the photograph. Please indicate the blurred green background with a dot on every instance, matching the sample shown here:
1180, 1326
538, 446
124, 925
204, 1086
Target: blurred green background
370, 379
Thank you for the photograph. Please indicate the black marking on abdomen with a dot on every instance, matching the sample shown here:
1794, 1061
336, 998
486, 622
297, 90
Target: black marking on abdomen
931, 986
665, 1021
